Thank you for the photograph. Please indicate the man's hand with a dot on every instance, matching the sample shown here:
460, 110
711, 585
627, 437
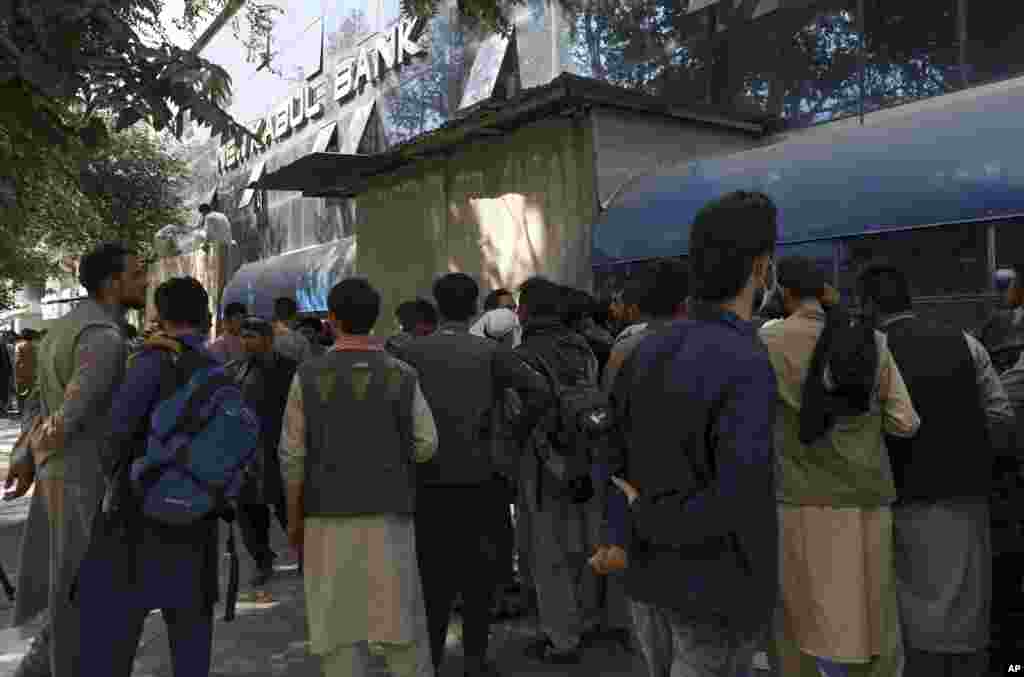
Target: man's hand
20, 477
631, 492
609, 559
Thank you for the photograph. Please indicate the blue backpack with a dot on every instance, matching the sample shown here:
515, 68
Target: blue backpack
201, 440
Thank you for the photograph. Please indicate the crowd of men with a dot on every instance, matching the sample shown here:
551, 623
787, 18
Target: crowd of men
17, 368
725, 459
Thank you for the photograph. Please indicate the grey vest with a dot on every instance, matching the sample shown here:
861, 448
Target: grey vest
359, 451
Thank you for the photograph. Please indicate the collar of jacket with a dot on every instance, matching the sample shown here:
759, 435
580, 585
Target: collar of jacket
810, 310
711, 313
895, 317
272, 358
544, 325
453, 327
357, 342
116, 312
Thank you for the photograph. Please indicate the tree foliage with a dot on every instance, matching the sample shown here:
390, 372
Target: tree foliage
73, 197
76, 78
800, 63
73, 74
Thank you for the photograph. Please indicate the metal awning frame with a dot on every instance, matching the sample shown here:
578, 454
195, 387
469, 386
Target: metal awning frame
326, 172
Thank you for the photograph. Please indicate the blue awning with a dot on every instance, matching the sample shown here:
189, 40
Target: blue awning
950, 158
307, 275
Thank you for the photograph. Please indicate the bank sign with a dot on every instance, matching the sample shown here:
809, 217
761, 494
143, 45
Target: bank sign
373, 60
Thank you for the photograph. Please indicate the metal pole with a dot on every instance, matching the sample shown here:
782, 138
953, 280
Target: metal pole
861, 23
991, 256
961, 20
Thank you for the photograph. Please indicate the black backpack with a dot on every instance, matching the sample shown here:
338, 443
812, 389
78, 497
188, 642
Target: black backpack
846, 356
567, 444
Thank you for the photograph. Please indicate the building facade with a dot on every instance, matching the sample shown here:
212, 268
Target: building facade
564, 148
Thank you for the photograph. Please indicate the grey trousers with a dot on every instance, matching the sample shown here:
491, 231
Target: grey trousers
55, 541
562, 538
929, 664
674, 646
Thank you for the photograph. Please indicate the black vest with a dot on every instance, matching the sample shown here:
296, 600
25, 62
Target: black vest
951, 455
359, 451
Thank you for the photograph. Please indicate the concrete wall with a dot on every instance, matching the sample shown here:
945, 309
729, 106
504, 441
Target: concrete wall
632, 144
501, 210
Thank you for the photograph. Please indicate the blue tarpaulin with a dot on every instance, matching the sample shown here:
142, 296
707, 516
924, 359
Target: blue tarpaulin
307, 275
951, 158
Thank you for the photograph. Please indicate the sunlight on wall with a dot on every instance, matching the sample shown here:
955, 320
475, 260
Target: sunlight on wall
513, 237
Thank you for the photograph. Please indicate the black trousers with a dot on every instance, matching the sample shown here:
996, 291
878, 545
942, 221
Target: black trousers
461, 548
928, 664
254, 523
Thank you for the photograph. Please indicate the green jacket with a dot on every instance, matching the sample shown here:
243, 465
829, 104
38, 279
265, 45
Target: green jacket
849, 466
86, 347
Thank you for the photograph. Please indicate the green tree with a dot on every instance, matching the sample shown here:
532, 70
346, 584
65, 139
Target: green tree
76, 196
71, 73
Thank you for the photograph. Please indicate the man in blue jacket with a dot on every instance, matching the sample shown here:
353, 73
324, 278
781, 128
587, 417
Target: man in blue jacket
698, 406
135, 564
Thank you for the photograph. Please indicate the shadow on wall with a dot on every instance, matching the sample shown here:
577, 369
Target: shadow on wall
514, 238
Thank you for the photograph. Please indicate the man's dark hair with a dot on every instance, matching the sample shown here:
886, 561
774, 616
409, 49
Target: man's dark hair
234, 310
800, 276
671, 287
407, 315
541, 297
415, 312
257, 326
579, 305
886, 286
640, 290
356, 305
313, 323
427, 312
602, 313
182, 300
285, 309
101, 264
456, 295
491, 301
727, 235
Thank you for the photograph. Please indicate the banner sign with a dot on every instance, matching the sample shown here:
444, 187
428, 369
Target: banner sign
375, 58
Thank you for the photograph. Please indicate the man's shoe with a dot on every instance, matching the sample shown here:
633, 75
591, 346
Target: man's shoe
544, 651
36, 662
